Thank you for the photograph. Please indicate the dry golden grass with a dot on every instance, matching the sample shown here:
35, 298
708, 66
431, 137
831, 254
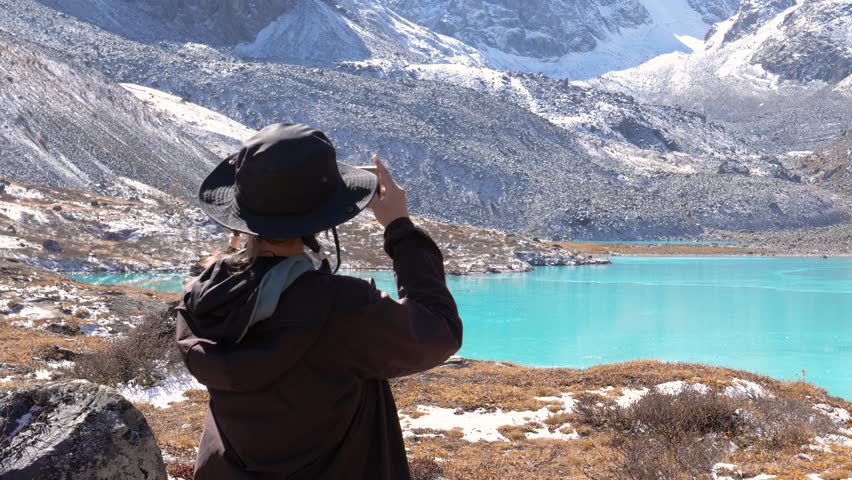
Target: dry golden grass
22, 346
787, 463
443, 454
178, 428
653, 250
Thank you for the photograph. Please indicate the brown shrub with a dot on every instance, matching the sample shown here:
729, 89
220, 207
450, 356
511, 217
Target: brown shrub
596, 412
781, 422
674, 418
182, 471
517, 433
662, 436
144, 355
423, 468
555, 421
646, 457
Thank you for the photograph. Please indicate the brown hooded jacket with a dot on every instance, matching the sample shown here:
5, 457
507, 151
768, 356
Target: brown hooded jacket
305, 396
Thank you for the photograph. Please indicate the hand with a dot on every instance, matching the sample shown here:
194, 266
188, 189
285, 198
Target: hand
389, 204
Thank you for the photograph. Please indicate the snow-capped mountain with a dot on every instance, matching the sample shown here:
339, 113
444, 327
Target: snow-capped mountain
522, 152
777, 68
66, 126
570, 38
611, 127
562, 38
815, 43
321, 32
312, 32
490, 161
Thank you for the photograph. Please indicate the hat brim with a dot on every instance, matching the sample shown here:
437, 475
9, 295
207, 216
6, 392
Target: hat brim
353, 194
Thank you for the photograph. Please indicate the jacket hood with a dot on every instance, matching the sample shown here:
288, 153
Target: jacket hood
220, 300
215, 310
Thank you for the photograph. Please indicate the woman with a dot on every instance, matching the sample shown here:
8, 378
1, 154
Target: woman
297, 359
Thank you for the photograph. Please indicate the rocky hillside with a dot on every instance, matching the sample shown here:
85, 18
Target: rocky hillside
312, 32
574, 162
131, 227
67, 126
822, 49
565, 38
570, 39
445, 141
778, 69
831, 167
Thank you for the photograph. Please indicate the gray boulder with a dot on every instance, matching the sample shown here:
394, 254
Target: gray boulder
75, 430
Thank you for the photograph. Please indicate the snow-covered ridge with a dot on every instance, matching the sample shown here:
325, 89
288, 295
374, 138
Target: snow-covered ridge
562, 38
314, 31
65, 125
780, 68
217, 132
567, 39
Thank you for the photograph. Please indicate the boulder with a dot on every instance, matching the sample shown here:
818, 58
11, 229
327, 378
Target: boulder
51, 246
75, 430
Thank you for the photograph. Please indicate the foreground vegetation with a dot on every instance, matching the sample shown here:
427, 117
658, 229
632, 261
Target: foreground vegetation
638, 420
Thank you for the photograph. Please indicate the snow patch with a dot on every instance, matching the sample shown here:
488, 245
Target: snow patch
677, 386
23, 193
31, 313
839, 415
25, 420
170, 390
23, 214
482, 425
12, 243
189, 113
743, 388
629, 396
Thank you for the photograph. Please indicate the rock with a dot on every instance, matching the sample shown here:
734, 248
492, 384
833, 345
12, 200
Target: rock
733, 167
51, 246
75, 430
119, 235
456, 362
62, 329
55, 353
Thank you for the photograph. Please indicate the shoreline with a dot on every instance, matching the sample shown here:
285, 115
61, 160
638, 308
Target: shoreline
681, 250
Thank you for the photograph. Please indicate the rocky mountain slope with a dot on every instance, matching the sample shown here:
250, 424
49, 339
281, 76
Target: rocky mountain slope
68, 126
563, 38
449, 142
130, 227
830, 167
566, 38
312, 32
777, 68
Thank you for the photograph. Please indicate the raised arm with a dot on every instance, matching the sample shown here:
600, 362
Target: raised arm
388, 338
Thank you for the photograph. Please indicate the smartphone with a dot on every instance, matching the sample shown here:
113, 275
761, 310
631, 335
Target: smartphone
375, 171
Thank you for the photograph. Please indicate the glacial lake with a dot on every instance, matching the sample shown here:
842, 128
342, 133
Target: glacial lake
775, 316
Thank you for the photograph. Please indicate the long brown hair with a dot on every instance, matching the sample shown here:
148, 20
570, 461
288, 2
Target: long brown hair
243, 259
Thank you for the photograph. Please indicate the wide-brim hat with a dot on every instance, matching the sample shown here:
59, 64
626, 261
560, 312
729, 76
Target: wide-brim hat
285, 182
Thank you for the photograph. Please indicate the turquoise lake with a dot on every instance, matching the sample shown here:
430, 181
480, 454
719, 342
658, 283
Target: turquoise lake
775, 316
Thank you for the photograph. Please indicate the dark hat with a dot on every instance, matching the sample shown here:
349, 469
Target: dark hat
285, 182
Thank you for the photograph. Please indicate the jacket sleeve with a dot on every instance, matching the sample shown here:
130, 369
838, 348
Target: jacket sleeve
388, 339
